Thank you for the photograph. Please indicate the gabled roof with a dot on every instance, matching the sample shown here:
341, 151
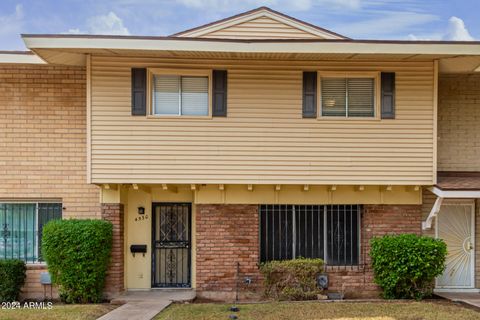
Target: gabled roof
260, 23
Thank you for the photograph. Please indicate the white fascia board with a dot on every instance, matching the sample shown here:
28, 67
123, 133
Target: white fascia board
86, 43
459, 194
19, 58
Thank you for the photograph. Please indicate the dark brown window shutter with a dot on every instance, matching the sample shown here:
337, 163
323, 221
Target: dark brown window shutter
139, 91
309, 94
388, 95
219, 93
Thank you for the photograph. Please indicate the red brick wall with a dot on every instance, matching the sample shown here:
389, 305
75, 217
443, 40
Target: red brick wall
229, 233
114, 283
377, 220
225, 235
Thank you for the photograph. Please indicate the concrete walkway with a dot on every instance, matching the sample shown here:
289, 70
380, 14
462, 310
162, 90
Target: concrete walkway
471, 299
144, 305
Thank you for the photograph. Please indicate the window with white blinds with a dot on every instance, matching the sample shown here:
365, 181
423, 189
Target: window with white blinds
348, 97
180, 95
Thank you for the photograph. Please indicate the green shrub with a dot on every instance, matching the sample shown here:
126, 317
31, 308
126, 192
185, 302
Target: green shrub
292, 279
77, 253
405, 266
12, 278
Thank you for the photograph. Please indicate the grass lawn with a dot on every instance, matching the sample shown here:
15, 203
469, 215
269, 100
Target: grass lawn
321, 310
58, 312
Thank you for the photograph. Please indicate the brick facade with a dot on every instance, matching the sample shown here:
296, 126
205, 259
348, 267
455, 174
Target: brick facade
377, 221
43, 142
43, 137
458, 115
33, 290
227, 234
114, 283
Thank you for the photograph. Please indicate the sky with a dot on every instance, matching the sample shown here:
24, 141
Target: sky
358, 19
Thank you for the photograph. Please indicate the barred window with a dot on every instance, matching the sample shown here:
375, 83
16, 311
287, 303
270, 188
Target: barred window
329, 232
21, 227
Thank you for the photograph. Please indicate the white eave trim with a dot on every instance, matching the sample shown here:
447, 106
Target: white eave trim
459, 194
85, 43
20, 58
427, 224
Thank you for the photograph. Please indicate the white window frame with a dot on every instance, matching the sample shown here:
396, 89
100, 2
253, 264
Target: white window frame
151, 72
350, 74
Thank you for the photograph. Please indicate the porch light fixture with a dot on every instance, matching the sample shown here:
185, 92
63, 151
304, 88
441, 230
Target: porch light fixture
141, 210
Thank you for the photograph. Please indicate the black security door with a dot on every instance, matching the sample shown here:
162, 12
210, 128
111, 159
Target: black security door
171, 245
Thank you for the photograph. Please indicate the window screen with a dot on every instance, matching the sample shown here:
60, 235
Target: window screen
180, 95
334, 97
348, 97
329, 232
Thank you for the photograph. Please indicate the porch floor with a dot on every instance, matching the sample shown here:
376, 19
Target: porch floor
145, 305
469, 298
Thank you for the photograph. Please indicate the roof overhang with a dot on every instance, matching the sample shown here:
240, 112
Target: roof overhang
19, 57
457, 194
70, 49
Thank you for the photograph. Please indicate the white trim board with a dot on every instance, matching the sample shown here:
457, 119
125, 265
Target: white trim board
460, 194
83, 43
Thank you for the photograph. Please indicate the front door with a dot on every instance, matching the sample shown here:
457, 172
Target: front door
171, 245
455, 225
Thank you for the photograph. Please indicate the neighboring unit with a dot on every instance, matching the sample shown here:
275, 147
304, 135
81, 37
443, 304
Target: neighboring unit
258, 137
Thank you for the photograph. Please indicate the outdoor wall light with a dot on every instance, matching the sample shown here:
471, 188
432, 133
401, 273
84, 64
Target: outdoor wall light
141, 210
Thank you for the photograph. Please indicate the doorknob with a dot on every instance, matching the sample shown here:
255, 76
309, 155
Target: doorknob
470, 246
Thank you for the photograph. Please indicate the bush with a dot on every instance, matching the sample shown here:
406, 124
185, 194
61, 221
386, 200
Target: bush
405, 266
12, 275
77, 253
292, 279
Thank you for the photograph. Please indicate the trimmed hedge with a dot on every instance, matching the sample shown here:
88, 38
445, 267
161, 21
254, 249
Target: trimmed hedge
12, 279
77, 253
406, 265
292, 279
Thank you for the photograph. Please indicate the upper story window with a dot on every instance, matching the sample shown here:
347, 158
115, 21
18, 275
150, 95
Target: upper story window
180, 95
21, 226
348, 96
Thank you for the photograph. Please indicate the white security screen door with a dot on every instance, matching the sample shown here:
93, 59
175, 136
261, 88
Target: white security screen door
455, 225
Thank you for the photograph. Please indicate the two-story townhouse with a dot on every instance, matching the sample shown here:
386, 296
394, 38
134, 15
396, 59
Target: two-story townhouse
253, 138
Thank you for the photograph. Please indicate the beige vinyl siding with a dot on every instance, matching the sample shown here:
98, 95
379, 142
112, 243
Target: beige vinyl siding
264, 139
261, 28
